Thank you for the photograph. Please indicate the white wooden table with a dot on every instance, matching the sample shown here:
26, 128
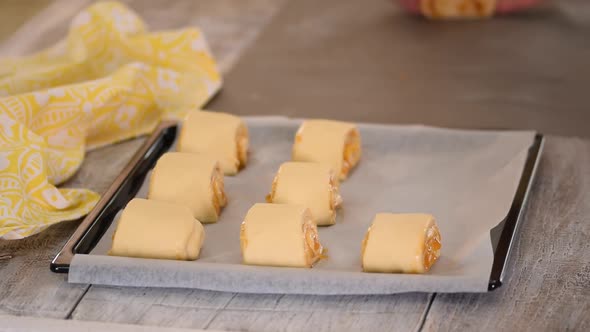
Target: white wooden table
548, 284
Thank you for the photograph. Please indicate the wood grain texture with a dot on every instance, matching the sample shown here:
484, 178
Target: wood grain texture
33, 324
251, 312
548, 284
151, 306
27, 286
401, 312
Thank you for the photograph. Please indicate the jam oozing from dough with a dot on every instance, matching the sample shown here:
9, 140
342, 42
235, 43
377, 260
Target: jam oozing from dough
242, 146
432, 246
219, 198
335, 198
312, 246
364, 246
298, 135
352, 152
243, 239
273, 190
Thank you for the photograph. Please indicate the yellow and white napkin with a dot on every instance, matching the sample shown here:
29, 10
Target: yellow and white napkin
109, 80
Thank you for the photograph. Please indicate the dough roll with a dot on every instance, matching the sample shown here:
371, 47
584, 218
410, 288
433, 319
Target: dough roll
334, 143
154, 229
192, 180
221, 135
312, 185
279, 235
406, 243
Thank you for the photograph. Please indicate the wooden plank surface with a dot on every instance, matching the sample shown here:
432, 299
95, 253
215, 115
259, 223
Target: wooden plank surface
33, 324
548, 284
27, 287
252, 312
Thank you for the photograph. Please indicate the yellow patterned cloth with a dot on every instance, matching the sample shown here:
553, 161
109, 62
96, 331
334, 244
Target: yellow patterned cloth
109, 80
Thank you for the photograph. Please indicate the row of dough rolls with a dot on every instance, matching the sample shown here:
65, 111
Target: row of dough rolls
305, 191
285, 235
186, 188
276, 235
304, 195
323, 153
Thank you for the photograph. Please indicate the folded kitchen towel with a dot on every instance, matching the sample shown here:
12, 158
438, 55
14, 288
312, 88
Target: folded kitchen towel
108, 80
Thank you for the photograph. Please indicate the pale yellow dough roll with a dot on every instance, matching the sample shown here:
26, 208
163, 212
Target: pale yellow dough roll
154, 229
401, 243
334, 143
221, 135
279, 235
192, 180
309, 184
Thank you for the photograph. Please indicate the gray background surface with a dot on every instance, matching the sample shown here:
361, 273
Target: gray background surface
367, 61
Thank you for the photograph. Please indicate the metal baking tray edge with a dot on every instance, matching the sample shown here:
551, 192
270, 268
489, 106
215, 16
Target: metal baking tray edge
121, 191
126, 185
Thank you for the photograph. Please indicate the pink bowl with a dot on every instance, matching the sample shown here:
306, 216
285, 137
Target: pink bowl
502, 6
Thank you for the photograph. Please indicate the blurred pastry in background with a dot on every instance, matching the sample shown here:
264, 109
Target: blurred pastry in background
467, 9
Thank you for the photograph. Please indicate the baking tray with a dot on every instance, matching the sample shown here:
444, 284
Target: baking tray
127, 184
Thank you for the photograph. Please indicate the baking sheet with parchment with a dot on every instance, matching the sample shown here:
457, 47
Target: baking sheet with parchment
466, 179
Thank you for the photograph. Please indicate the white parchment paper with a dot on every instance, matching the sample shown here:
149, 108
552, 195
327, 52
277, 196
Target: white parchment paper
466, 179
